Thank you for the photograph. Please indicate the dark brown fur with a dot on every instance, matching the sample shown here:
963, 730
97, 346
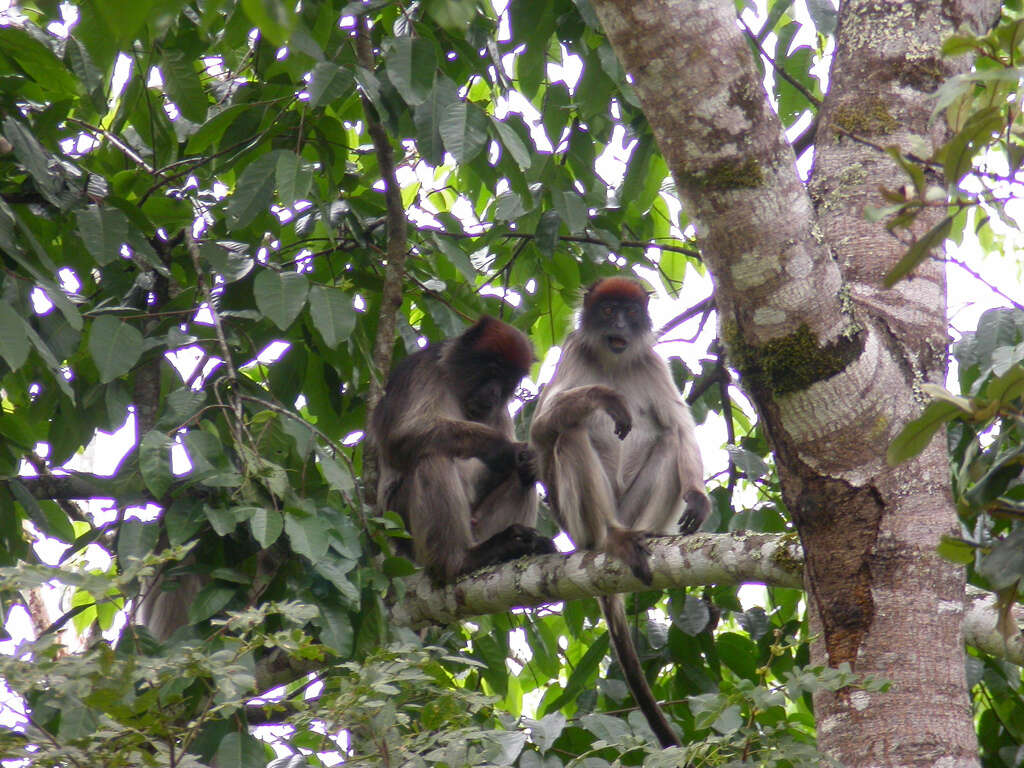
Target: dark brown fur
449, 463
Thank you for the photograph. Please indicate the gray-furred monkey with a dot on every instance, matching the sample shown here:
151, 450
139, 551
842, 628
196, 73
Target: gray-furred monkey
618, 453
449, 463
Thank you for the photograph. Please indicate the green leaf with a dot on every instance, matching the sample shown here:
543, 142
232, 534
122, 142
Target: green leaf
155, 463
280, 296
136, 539
581, 676
274, 18
266, 525
337, 633
510, 140
183, 87
546, 237
753, 466
294, 178
104, 231
32, 155
915, 437
919, 251
329, 83
307, 534
411, 64
428, 116
37, 61
14, 344
1004, 565
115, 347
333, 314
337, 477
464, 131
254, 191
211, 600
957, 550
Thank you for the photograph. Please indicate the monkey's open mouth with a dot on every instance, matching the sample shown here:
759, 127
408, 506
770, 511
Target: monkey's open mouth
616, 343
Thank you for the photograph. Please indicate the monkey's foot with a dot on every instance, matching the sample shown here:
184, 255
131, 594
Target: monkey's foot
510, 544
631, 548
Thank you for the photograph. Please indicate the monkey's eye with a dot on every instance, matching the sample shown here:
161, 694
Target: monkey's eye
633, 312
607, 310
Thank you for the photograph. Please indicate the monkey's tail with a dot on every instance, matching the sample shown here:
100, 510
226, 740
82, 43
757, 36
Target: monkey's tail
618, 628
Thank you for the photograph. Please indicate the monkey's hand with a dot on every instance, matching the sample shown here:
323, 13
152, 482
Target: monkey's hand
618, 409
502, 457
697, 508
526, 464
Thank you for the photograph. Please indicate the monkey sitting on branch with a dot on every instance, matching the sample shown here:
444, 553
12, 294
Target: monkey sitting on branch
449, 463
618, 454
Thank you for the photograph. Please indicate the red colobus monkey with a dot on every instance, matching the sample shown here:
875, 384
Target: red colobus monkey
449, 463
618, 453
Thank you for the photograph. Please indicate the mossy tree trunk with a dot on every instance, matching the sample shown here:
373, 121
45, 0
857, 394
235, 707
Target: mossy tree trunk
833, 361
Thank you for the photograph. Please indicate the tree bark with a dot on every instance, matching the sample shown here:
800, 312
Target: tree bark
833, 361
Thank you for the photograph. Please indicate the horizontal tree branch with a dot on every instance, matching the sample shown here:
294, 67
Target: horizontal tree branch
66, 487
676, 561
775, 560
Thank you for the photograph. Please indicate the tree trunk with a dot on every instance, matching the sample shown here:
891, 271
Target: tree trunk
833, 361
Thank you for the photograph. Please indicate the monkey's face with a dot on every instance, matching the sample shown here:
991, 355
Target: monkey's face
616, 325
489, 387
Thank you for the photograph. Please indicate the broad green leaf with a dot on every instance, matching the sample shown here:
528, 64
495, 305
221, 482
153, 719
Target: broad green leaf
155, 463
266, 525
274, 19
337, 477
581, 676
38, 61
510, 140
294, 178
115, 346
280, 296
32, 155
411, 64
254, 191
957, 550
752, 465
122, 18
183, 87
136, 539
338, 633
104, 231
464, 131
1004, 565
328, 83
229, 265
210, 600
307, 534
546, 237
428, 116
333, 314
14, 344
916, 435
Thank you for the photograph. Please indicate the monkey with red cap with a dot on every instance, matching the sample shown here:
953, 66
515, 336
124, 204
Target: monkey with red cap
449, 463
617, 452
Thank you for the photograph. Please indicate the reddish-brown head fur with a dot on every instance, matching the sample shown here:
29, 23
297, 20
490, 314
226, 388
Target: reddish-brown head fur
494, 337
619, 288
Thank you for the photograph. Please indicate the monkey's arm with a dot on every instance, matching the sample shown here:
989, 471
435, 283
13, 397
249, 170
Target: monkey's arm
566, 409
454, 439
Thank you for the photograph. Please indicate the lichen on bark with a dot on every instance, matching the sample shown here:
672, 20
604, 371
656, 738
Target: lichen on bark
794, 362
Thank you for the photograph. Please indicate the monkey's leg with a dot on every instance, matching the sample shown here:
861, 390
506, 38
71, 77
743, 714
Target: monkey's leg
585, 498
667, 488
505, 503
438, 515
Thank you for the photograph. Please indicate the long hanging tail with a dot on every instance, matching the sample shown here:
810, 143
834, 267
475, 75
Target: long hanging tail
618, 628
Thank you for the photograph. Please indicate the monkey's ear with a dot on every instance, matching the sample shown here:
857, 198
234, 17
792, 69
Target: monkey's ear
617, 288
